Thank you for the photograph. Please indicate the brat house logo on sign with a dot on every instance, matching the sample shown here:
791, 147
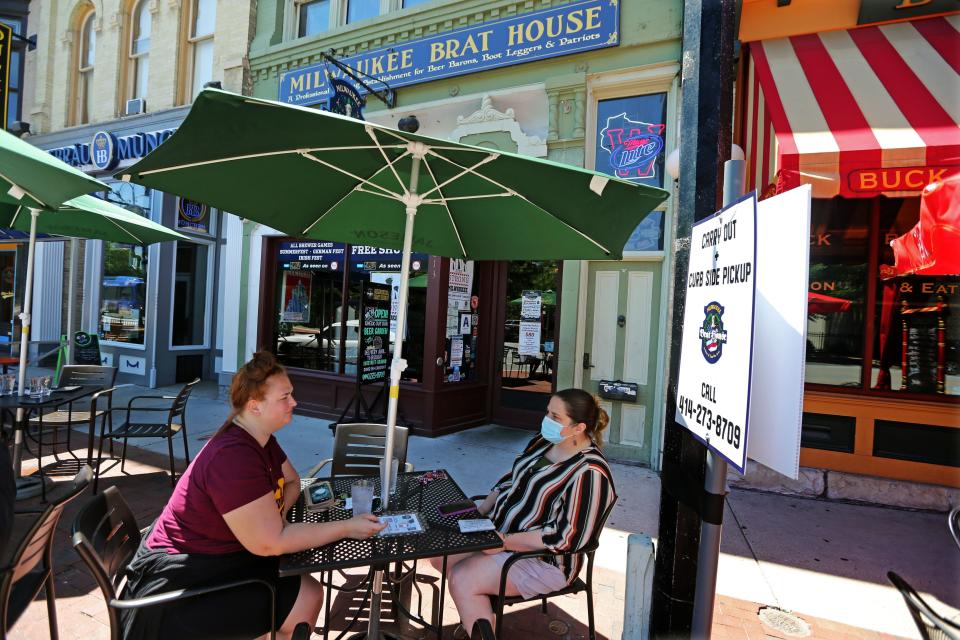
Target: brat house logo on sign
633, 146
712, 335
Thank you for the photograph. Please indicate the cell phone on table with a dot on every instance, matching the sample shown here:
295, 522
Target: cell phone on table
457, 508
319, 495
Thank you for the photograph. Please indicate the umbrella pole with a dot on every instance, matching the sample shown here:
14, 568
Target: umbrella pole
25, 485
397, 367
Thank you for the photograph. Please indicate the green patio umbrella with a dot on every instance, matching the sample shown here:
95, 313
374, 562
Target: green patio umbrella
34, 178
82, 217
314, 174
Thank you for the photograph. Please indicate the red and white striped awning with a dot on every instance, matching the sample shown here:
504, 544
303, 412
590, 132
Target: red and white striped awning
856, 113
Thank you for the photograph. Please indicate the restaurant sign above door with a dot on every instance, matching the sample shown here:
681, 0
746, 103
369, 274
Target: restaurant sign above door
571, 28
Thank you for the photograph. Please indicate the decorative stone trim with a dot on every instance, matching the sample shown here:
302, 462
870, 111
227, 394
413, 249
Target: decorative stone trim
488, 119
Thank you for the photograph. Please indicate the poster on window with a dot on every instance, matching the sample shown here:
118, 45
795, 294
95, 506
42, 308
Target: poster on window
530, 304
374, 333
297, 286
529, 344
459, 293
456, 351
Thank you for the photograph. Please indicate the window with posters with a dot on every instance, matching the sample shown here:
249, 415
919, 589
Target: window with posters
463, 319
317, 303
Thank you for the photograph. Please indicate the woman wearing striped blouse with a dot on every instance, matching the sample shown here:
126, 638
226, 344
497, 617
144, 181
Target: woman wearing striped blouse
553, 498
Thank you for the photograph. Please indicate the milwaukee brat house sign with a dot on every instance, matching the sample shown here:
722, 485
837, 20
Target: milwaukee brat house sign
572, 28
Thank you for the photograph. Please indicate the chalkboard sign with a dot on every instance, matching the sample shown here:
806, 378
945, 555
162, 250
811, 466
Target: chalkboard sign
86, 348
617, 390
374, 333
921, 353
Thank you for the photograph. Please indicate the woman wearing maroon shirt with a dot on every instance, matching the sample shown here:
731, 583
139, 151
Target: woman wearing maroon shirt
226, 521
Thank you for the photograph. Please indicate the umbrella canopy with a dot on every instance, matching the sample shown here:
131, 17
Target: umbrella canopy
92, 218
314, 174
819, 303
34, 178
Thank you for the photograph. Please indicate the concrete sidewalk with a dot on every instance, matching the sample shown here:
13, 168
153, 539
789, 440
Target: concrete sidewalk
826, 561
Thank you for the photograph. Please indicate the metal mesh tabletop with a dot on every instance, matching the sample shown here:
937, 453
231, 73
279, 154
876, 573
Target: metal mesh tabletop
441, 537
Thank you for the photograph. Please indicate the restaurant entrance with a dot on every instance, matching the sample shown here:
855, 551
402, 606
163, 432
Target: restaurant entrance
527, 341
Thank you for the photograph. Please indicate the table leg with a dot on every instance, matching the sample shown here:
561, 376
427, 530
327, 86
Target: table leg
373, 626
443, 591
29, 486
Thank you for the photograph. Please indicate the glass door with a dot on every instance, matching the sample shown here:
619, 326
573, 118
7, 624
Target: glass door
527, 352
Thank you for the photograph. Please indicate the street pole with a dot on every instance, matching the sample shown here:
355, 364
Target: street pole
715, 484
706, 107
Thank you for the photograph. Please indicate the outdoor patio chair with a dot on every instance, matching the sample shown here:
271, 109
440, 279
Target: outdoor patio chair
576, 586
28, 563
77, 375
482, 630
130, 428
358, 448
953, 521
932, 625
106, 536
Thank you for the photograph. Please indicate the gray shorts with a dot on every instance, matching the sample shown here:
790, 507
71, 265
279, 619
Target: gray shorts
532, 576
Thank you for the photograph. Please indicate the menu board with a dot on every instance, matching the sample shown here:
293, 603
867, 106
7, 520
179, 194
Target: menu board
374, 333
86, 348
921, 354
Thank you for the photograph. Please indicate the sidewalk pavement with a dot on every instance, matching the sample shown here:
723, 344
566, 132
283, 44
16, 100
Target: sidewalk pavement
824, 561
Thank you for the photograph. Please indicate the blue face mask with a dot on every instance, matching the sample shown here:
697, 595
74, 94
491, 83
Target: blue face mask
550, 430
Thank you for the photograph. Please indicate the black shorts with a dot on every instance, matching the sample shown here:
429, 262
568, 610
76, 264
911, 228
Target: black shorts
242, 612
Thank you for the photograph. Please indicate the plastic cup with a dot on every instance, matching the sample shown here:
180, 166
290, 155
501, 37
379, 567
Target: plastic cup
35, 387
7, 384
45, 382
361, 494
393, 474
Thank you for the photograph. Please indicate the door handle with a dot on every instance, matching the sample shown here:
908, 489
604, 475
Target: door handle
586, 361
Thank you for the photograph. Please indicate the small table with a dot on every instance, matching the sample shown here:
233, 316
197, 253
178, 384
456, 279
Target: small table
441, 538
29, 486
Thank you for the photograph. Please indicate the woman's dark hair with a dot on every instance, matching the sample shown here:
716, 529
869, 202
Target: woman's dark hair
250, 382
585, 407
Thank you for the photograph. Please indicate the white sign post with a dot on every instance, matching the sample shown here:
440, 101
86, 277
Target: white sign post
713, 391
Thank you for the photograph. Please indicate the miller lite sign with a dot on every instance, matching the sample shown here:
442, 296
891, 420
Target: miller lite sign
633, 147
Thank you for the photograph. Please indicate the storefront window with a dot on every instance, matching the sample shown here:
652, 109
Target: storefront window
123, 287
463, 318
917, 332
190, 294
629, 144
318, 324
839, 253
362, 9
313, 17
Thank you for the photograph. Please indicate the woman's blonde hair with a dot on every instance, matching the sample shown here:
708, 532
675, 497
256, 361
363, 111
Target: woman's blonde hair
585, 407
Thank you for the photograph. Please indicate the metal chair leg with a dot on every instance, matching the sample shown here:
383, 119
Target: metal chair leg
173, 470
123, 455
186, 451
51, 605
592, 627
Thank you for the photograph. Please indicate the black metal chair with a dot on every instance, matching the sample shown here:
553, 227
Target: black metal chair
130, 428
953, 521
77, 375
482, 630
932, 625
106, 536
28, 565
358, 448
498, 601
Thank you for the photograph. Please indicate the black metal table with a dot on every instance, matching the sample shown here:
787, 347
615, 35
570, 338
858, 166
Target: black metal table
57, 398
442, 536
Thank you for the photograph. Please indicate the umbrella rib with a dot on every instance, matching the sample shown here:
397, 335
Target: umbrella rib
16, 214
126, 231
393, 169
249, 156
507, 190
395, 196
527, 200
476, 197
14, 184
453, 222
490, 157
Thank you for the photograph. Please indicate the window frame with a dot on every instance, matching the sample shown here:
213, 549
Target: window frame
337, 18
188, 48
133, 57
211, 245
18, 23
83, 75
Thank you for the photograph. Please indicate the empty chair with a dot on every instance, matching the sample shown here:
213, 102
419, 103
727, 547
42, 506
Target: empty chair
358, 448
132, 428
28, 565
932, 625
